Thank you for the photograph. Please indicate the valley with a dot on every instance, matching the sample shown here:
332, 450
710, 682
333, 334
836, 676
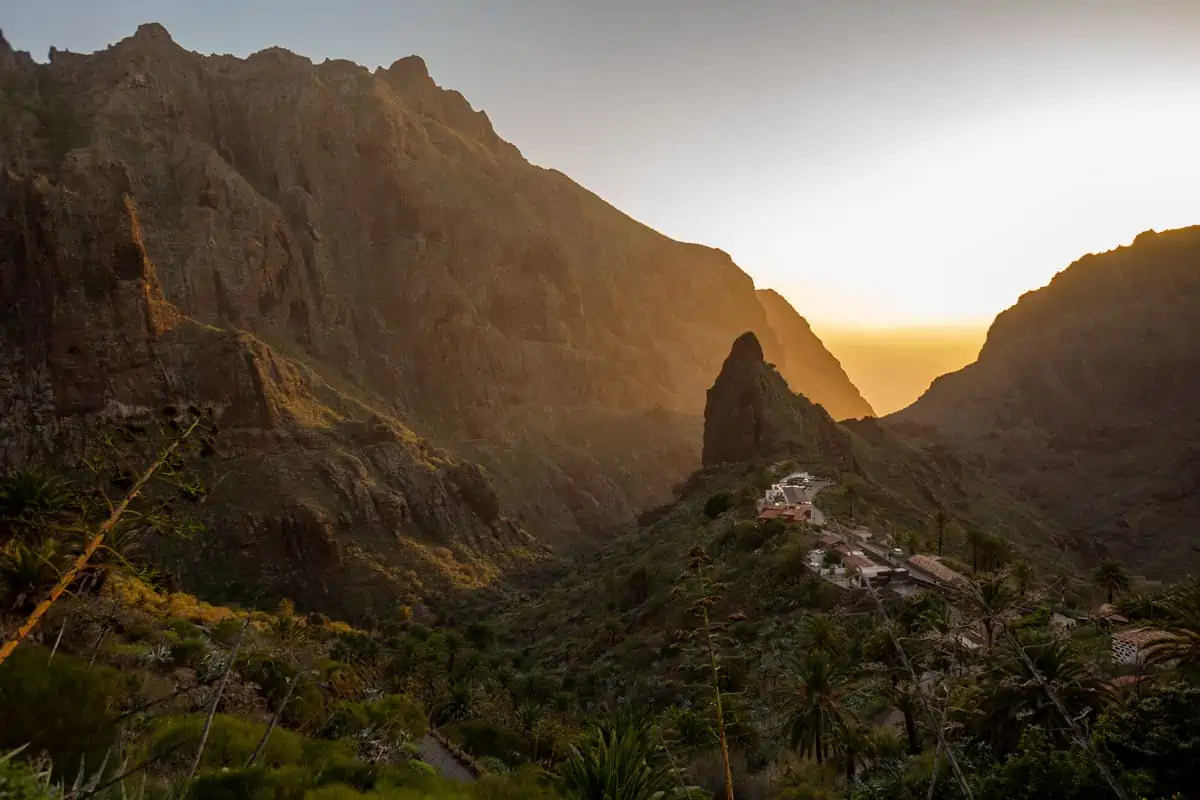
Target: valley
345, 453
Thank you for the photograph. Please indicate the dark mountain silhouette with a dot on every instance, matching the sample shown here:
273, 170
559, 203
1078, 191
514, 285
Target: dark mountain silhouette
1084, 401
426, 350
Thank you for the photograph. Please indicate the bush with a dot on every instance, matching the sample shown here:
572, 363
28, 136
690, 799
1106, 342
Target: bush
346, 719
718, 504
184, 629
270, 673
399, 714
256, 783
481, 739
20, 780
59, 707
188, 653
232, 740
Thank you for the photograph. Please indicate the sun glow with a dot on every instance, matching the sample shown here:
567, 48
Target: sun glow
953, 226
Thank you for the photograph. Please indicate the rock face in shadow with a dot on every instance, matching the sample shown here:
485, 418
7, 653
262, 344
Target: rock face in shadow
751, 414
805, 362
352, 257
314, 497
1083, 401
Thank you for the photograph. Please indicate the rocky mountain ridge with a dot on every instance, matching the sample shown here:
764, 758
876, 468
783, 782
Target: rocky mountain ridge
351, 258
1083, 401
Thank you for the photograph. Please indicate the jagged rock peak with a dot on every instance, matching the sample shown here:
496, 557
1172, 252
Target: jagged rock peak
152, 32
751, 414
409, 68
746, 348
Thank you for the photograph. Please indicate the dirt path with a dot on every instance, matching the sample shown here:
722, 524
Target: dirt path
437, 756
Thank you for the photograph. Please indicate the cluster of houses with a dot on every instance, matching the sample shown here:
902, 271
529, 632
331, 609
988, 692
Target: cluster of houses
847, 557
791, 500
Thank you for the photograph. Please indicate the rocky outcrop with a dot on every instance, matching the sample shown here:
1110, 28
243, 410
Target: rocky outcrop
752, 415
345, 246
314, 496
1083, 401
804, 361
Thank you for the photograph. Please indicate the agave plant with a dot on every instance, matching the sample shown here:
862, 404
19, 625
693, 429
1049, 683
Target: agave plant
620, 762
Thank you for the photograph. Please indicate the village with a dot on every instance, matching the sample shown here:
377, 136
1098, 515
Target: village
856, 558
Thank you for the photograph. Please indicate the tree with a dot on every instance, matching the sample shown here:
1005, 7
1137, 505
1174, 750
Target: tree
940, 520
718, 504
1158, 732
830, 560
1022, 575
975, 539
1112, 578
1181, 646
988, 600
1012, 697
815, 706
823, 633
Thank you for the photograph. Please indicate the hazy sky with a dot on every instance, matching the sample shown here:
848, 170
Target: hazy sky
895, 162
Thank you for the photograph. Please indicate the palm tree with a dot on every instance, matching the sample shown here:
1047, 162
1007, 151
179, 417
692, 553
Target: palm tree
619, 760
1112, 578
1013, 698
851, 494
1022, 574
940, 520
851, 741
823, 633
975, 540
989, 599
816, 703
1181, 647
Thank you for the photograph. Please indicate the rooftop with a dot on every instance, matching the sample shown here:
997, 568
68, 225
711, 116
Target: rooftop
938, 570
1143, 637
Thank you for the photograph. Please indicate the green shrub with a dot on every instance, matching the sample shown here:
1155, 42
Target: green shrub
397, 713
184, 629
347, 719
188, 652
306, 709
481, 738
232, 740
59, 707
227, 630
21, 780
270, 674
257, 783
718, 504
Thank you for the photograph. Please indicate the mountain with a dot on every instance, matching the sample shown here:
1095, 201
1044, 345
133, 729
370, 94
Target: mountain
752, 415
428, 355
1084, 402
807, 365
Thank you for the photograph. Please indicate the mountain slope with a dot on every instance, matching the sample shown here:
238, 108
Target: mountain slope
1084, 401
381, 260
807, 365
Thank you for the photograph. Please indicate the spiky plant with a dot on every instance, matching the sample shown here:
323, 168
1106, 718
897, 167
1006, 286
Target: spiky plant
619, 761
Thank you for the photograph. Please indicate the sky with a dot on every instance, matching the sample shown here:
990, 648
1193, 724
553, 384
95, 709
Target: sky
882, 163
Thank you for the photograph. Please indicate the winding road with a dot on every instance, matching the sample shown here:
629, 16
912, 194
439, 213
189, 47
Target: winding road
435, 754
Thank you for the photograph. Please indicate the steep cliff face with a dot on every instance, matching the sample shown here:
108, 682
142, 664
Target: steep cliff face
1084, 398
804, 361
315, 497
369, 237
752, 415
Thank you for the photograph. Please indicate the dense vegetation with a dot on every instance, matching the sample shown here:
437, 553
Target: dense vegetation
699, 656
